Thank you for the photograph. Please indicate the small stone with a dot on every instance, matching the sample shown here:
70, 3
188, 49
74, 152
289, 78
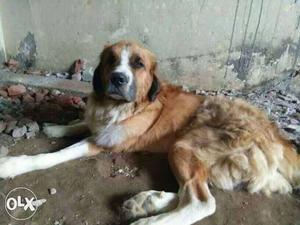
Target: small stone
19, 132
15, 90
33, 126
63, 75
24, 121
27, 98
38, 202
197, 92
52, 191
12, 62
61, 221
15, 100
39, 97
87, 75
2, 126
10, 126
76, 99
3, 151
7, 117
65, 100
81, 105
6, 140
294, 127
76, 76
55, 92
45, 92
3, 93
77, 66
30, 134
185, 88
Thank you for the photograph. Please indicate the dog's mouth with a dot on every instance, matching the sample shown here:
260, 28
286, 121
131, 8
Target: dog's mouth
116, 96
115, 93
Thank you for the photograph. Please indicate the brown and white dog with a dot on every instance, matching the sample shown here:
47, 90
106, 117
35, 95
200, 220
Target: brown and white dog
209, 140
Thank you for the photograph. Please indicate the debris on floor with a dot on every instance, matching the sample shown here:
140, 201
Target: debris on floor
61, 221
52, 191
24, 109
3, 151
79, 70
124, 171
39, 202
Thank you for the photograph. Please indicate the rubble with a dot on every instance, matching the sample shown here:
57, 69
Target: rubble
19, 132
78, 71
52, 191
15, 90
21, 112
87, 75
39, 202
6, 140
76, 76
124, 171
2, 126
10, 126
3, 93
12, 64
33, 126
61, 221
30, 134
3, 151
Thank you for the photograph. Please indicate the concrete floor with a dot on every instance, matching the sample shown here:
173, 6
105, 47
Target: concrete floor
88, 195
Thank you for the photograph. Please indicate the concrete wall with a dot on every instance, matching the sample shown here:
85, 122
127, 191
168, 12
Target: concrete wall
204, 43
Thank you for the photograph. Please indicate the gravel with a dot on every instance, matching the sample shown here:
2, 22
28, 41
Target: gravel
19, 132
52, 191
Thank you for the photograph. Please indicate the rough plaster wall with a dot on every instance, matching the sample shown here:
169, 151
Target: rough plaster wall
204, 43
2, 45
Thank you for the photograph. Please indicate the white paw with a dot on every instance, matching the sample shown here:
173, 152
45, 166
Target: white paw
111, 136
54, 131
148, 203
12, 166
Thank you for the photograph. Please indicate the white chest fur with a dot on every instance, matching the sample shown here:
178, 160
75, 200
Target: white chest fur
104, 121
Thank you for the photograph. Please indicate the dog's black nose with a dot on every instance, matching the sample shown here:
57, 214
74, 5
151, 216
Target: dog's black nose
118, 79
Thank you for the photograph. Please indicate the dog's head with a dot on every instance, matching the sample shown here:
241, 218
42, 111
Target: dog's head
126, 72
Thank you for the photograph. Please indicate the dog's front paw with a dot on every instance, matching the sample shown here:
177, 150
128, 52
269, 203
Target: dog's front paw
111, 136
148, 203
10, 166
54, 131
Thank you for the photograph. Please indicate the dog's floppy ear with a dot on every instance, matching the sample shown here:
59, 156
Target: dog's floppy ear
155, 86
97, 82
154, 89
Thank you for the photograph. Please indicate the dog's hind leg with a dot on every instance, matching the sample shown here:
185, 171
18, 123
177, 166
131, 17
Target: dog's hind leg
12, 166
195, 200
57, 131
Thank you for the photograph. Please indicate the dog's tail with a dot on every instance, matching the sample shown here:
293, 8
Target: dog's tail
290, 165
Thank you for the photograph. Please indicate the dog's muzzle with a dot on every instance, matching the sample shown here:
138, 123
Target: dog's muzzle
119, 87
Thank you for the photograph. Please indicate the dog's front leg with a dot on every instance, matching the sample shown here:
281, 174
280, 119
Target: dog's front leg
12, 166
117, 134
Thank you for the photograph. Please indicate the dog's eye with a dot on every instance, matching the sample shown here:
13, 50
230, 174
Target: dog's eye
138, 63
